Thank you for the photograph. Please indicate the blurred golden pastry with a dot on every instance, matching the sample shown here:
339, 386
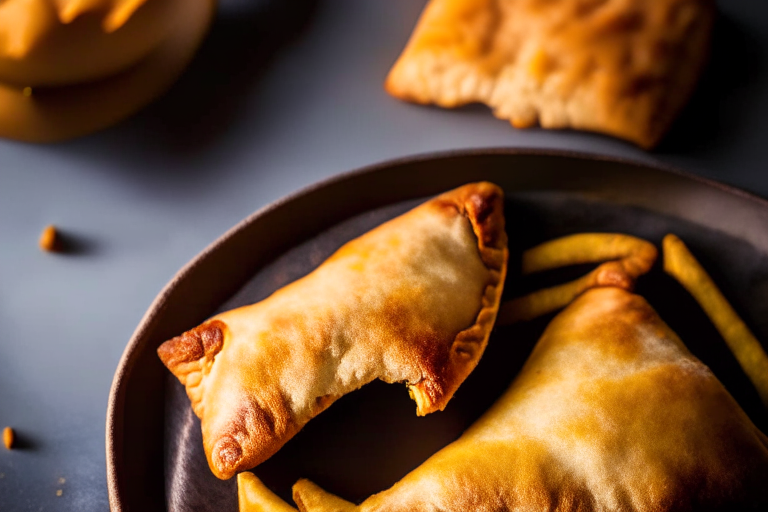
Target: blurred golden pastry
620, 67
610, 412
71, 67
411, 301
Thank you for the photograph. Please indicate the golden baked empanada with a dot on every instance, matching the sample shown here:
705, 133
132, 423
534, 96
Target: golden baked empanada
412, 301
610, 412
621, 67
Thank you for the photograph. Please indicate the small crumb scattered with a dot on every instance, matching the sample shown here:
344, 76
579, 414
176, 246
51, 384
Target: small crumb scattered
2, 475
59, 492
49, 238
27, 92
8, 437
62, 480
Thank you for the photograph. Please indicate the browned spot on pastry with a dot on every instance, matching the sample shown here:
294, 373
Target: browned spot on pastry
447, 206
206, 340
612, 273
227, 455
464, 350
250, 436
682, 15
322, 403
484, 206
623, 22
640, 85
212, 338
587, 7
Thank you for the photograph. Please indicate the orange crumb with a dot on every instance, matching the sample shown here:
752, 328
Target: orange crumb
49, 238
8, 437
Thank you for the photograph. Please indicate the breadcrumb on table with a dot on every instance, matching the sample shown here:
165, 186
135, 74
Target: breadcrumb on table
49, 239
8, 437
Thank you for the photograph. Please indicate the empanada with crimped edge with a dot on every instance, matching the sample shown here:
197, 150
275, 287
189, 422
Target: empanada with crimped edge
621, 67
412, 301
611, 412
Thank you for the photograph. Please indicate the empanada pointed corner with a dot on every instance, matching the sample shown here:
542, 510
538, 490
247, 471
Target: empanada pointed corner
623, 68
412, 301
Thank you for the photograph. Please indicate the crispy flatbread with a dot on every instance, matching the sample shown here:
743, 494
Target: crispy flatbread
620, 67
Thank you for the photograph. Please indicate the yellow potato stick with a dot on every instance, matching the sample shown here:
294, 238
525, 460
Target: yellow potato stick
544, 301
681, 264
636, 254
312, 497
254, 496
626, 259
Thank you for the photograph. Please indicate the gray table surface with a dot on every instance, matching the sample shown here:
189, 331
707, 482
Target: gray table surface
282, 95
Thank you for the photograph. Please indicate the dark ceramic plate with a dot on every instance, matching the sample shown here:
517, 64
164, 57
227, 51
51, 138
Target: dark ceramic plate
371, 438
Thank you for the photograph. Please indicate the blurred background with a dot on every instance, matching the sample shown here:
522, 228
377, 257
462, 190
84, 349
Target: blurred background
281, 95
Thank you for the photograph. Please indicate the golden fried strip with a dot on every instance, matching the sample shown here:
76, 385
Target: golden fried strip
683, 266
254, 496
536, 304
637, 255
627, 258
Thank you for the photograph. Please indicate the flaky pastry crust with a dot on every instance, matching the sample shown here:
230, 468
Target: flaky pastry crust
620, 67
412, 301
